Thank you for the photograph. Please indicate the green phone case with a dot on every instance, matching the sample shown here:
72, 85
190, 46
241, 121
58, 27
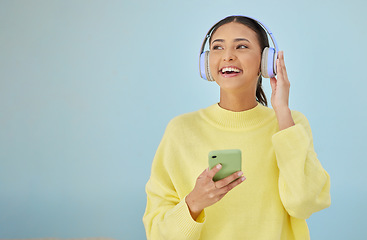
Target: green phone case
230, 159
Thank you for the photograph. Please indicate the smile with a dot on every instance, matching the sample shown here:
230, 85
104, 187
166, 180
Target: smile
230, 71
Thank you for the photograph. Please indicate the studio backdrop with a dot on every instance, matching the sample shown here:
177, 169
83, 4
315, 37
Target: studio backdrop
88, 87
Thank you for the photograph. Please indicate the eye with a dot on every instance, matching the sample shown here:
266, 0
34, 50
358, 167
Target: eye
241, 46
217, 47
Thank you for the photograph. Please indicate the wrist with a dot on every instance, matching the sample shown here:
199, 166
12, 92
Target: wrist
284, 117
281, 110
194, 210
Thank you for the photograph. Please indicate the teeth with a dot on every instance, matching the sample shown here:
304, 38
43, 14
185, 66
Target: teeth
230, 69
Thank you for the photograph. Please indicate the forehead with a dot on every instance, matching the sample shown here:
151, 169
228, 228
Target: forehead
234, 30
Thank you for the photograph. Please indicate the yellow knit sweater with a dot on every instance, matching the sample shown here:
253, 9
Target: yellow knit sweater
285, 181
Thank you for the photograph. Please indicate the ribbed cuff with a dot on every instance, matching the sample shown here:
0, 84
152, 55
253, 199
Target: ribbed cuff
190, 228
294, 132
289, 137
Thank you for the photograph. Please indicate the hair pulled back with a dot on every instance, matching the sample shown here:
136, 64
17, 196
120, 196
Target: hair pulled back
261, 37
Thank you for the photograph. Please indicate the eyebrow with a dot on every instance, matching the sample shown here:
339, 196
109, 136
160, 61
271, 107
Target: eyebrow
235, 40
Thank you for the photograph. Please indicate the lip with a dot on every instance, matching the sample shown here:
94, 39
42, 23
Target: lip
228, 75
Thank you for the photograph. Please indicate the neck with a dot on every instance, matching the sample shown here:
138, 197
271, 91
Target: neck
237, 102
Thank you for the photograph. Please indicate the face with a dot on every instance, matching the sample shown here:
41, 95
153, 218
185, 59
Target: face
234, 57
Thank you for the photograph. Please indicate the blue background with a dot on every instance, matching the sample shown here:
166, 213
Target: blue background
87, 88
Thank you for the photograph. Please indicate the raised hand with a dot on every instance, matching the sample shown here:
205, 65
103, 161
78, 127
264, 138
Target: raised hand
280, 94
280, 86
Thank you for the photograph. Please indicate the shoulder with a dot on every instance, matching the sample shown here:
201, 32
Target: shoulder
185, 118
183, 121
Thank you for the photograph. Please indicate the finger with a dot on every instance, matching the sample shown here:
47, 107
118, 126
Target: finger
279, 69
281, 76
277, 61
225, 181
232, 185
204, 173
214, 171
282, 69
281, 54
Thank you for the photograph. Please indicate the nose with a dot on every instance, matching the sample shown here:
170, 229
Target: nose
228, 55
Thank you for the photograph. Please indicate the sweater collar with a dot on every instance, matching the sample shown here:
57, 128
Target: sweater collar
223, 118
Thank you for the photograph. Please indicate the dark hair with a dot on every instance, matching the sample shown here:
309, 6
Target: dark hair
261, 37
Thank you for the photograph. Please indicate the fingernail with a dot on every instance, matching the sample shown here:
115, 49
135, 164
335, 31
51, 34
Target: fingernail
240, 174
243, 178
219, 166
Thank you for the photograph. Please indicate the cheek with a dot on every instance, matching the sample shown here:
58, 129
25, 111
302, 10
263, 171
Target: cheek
214, 60
253, 62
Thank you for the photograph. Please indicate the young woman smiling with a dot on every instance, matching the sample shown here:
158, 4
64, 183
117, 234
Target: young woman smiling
285, 182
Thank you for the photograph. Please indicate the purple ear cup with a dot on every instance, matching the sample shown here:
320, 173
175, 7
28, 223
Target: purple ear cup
271, 63
275, 62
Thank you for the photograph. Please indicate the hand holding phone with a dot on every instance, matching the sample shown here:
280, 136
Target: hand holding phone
208, 188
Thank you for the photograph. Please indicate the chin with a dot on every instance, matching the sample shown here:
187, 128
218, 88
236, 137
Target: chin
231, 85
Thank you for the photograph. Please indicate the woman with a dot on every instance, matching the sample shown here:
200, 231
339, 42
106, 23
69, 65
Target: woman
285, 182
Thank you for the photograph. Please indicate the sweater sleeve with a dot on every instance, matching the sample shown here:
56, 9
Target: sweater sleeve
166, 215
304, 185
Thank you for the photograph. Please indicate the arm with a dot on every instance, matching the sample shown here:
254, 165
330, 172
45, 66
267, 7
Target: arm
168, 217
304, 185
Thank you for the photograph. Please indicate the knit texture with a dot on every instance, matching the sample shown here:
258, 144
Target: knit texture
285, 181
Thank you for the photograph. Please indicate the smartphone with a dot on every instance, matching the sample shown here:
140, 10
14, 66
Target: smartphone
230, 159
